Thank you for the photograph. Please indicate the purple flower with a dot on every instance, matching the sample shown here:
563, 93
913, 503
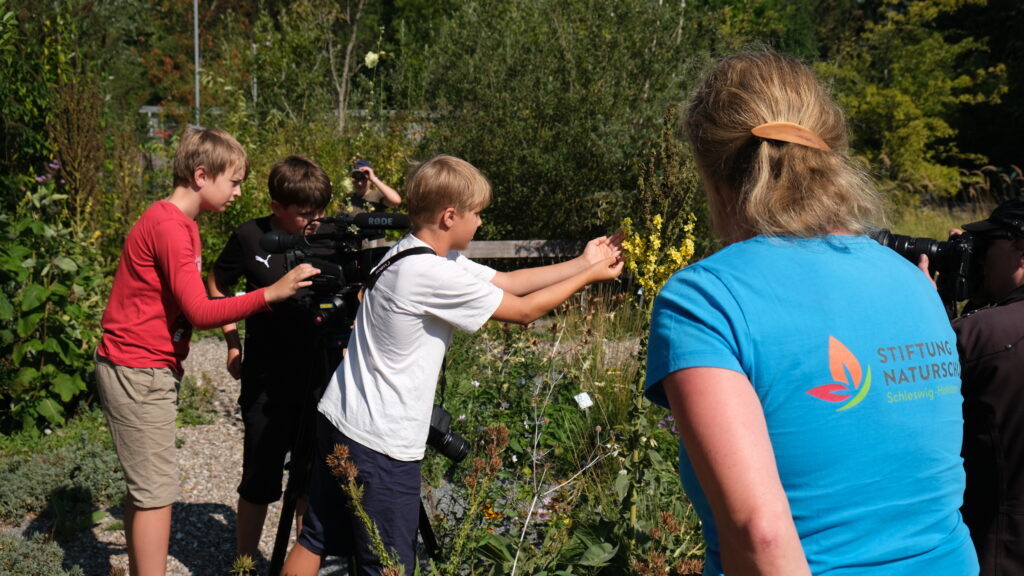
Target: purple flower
42, 178
54, 165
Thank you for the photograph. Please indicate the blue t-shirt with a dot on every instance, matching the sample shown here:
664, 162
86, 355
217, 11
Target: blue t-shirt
855, 364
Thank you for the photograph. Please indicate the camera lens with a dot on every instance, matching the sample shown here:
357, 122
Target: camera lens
454, 447
912, 248
442, 439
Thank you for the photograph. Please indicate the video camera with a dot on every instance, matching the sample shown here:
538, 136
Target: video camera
343, 263
957, 261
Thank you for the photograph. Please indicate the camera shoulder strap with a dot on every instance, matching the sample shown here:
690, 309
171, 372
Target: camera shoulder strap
387, 263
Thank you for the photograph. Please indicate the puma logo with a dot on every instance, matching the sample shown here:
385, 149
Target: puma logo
265, 261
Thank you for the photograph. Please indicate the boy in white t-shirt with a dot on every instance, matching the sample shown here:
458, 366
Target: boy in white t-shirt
379, 401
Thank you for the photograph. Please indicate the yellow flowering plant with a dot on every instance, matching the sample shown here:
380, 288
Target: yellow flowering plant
648, 260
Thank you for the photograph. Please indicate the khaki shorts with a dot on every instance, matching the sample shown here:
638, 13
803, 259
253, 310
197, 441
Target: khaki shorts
141, 405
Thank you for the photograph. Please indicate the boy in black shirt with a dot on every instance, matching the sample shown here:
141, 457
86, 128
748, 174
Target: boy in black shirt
283, 364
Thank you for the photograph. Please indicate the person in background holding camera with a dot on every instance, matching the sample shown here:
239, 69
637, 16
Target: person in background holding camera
989, 340
370, 193
283, 367
156, 299
811, 443
380, 400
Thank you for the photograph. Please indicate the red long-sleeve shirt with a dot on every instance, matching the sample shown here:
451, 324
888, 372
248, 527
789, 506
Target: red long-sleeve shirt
159, 294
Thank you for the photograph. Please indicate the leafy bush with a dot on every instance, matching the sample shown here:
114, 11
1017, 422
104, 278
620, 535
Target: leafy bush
54, 290
36, 557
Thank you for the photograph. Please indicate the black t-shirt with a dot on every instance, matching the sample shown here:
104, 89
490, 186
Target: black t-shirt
286, 339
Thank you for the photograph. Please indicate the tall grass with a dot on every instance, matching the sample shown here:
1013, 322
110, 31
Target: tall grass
935, 221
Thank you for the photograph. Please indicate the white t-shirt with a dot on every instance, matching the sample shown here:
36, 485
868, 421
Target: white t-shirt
382, 393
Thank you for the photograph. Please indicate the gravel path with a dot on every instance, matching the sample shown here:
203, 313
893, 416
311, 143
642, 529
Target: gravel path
210, 463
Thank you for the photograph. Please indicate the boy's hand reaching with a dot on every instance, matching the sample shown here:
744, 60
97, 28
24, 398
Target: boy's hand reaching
603, 247
606, 269
290, 283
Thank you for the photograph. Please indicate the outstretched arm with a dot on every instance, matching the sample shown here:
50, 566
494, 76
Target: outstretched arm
527, 280
722, 425
526, 309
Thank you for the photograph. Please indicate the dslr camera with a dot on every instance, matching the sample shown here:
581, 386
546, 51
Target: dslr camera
443, 439
957, 261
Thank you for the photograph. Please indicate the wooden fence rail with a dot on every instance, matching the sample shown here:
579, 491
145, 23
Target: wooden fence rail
484, 249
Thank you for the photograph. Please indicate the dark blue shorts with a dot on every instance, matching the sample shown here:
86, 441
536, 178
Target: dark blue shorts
391, 497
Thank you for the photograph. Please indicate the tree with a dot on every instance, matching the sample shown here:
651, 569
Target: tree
555, 102
902, 79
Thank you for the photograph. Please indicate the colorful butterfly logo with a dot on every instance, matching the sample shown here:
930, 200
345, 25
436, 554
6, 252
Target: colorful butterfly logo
847, 386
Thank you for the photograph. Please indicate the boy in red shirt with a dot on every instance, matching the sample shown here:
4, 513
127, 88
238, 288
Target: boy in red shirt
157, 297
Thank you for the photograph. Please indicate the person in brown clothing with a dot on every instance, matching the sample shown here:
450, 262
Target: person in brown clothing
990, 341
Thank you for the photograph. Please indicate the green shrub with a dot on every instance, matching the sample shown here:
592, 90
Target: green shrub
68, 474
54, 288
36, 557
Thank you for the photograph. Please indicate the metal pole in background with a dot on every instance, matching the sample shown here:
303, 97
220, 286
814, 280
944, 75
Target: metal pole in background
195, 44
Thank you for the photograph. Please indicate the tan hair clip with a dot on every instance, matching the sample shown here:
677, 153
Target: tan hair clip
790, 132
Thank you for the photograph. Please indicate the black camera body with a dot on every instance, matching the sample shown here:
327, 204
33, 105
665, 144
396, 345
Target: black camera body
343, 263
443, 439
957, 261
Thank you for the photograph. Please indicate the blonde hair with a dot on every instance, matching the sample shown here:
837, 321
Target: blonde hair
213, 149
758, 186
445, 181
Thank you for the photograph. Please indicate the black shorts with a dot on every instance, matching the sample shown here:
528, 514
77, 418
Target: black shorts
272, 423
391, 497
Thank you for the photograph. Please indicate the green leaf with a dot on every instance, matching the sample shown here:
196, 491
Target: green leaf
496, 548
26, 376
24, 347
6, 309
33, 296
598, 554
656, 458
66, 264
27, 324
52, 411
65, 387
621, 486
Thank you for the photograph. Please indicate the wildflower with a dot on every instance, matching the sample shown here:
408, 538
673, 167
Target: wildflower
648, 260
583, 400
371, 59
340, 465
475, 383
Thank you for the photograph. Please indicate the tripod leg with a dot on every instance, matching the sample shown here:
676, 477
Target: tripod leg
427, 533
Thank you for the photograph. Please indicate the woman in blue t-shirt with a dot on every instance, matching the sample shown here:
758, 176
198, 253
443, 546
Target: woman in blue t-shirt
813, 372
